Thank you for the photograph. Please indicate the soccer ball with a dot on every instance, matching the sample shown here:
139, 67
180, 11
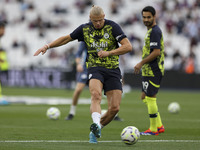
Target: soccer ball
53, 113
174, 107
130, 135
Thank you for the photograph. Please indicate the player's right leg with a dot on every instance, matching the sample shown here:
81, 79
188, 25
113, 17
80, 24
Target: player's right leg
95, 87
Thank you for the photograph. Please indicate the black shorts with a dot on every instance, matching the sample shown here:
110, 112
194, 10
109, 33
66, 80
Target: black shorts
151, 85
110, 78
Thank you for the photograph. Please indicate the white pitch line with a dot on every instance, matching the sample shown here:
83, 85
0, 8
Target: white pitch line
29, 100
117, 141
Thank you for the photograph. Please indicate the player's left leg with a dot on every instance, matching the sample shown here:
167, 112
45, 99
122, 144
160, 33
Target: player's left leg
155, 84
157, 123
153, 111
160, 126
114, 100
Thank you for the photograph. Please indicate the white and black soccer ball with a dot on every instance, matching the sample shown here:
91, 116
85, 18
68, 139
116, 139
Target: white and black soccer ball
53, 113
174, 107
130, 135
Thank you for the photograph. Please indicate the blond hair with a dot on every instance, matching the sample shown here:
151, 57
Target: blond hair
96, 11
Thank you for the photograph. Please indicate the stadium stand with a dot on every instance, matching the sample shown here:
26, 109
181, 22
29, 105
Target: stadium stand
32, 23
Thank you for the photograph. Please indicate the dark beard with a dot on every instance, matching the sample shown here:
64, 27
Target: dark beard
148, 24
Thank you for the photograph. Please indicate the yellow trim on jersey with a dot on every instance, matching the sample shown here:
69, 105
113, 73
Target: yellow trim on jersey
155, 85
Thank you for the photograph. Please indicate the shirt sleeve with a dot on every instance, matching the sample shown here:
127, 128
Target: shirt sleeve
155, 39
77, 33
118, 33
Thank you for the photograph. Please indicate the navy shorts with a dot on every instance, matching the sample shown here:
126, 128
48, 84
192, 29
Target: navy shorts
110, 78
82, 77
151, 85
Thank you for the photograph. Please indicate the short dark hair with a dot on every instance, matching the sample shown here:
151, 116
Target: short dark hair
149, 9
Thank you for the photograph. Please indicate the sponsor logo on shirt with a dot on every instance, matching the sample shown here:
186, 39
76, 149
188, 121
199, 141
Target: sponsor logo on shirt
102, 44
153, 44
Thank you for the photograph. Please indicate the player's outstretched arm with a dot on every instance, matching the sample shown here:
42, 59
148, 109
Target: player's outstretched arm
42, 50
58, 42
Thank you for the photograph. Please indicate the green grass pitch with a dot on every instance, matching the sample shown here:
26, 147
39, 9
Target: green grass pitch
26, 127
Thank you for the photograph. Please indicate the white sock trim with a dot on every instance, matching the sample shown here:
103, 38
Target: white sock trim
96, 118
72, 110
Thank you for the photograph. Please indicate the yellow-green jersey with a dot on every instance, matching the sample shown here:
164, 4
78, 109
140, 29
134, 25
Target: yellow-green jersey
153, 40
4, 66
105, 39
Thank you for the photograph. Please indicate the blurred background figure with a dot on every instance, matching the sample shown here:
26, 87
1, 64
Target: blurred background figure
81, 78
3, 62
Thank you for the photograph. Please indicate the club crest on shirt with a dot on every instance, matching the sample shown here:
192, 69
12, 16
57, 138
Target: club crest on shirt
106, 36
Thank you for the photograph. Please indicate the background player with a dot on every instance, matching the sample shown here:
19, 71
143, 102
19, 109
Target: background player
81, 78
3, 62
152, 65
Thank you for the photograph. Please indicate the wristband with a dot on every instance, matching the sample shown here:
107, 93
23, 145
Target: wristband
47, 46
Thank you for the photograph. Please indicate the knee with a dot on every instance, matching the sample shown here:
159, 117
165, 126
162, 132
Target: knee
78, 91
114, 110
143, 96
96, 95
